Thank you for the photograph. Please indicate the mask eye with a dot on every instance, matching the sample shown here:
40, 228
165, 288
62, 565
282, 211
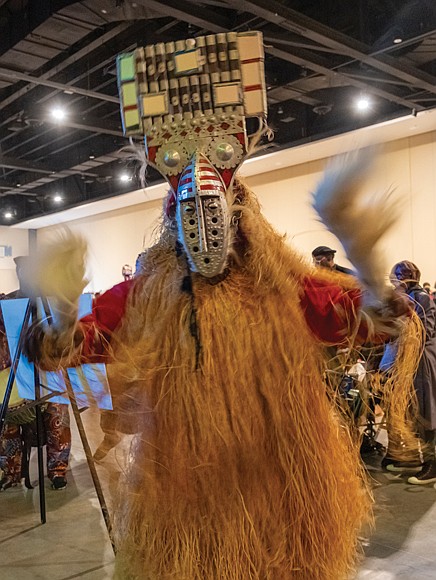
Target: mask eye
189, 209
213, 206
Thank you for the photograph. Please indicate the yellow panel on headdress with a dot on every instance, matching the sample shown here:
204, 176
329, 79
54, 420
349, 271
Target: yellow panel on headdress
128, 93
131, 119
186, 62
227, 94
155, 104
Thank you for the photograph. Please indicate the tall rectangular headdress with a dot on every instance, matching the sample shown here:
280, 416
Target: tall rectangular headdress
194, 96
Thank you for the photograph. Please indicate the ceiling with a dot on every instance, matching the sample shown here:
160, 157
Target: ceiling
321, 55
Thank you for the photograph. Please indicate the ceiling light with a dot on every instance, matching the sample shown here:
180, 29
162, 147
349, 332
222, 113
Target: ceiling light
363, 104
58, 113
322, 109
18, 124
57, 198
398, 40
8, 215
287, 119
103, 11
91, 156
18, 184
124, 177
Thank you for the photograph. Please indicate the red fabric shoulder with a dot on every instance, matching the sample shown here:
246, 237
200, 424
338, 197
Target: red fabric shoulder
108, 308
107, 313
331, 311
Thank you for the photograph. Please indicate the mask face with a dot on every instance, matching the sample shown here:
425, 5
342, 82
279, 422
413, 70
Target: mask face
203, 221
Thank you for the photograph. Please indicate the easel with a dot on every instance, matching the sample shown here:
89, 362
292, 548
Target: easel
31, 313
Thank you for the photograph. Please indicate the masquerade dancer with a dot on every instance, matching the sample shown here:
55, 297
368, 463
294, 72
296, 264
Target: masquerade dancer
240, 468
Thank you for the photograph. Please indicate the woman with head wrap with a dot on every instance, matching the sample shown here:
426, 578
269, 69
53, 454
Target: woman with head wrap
406, 275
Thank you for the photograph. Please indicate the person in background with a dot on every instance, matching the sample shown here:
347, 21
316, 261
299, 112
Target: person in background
127, 272
325, 257
55, 416
426, 286
406, 275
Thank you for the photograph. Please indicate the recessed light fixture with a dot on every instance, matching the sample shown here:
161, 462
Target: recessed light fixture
8, 215
103, 11
57, 198
18, 184
58, 113
124, 177
398, 40
363, 104
91, 156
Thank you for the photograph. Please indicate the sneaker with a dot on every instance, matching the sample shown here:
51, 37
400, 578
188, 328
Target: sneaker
7, 482
400, 466
426, 475
58, 482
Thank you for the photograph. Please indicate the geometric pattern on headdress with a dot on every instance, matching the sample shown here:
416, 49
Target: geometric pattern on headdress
193, 96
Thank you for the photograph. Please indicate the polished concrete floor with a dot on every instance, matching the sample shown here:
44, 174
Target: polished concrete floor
74, 542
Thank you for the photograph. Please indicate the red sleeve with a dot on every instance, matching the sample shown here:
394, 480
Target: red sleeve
97, 327
331, 312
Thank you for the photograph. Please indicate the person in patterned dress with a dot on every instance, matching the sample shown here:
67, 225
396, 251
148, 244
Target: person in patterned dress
16, 437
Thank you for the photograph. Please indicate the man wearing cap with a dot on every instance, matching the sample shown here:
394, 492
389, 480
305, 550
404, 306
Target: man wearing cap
55, 417
325, 257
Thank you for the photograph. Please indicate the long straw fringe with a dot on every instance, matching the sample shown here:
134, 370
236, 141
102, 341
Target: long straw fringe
241, 469
398, 394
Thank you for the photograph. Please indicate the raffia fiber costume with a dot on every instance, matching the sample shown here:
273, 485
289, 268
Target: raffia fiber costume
241, 468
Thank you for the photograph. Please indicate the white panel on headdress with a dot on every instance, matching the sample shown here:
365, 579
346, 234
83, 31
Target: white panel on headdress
254, 102
250, 46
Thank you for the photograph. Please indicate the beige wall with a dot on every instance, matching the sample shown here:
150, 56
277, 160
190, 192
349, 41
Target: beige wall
407, 165
115, 238
19, 241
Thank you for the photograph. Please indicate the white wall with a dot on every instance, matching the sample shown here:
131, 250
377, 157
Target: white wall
115, 238
408, 165
19, 241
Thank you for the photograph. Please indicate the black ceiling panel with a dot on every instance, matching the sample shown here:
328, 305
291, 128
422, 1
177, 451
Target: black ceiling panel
320, 56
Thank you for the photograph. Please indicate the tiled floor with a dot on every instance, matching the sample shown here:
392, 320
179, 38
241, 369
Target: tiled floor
74, 542
403, 544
